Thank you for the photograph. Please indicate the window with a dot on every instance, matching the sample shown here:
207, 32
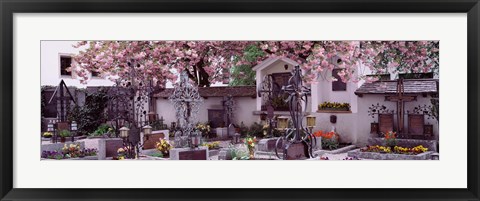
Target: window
95, 74
338, 85
65, 62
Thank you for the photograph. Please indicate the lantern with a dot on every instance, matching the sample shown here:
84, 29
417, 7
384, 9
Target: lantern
50, 127
196, 136
147, 130
124, 132
311, 121
282, 122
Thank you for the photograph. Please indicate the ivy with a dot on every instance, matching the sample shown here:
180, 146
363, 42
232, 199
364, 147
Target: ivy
91, 115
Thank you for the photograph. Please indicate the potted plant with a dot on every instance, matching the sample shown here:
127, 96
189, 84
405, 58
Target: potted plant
164, 147
101, 131
47, 134
250, 142
63, 134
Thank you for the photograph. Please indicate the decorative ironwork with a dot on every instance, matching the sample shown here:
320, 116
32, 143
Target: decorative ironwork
296, 136
128, 104
63, 104
425, 110
186, 101
228, 107
378, 109
265, 90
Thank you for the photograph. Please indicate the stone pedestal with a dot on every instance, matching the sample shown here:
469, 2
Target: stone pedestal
200, 153
222, 132
109, 147
317, 145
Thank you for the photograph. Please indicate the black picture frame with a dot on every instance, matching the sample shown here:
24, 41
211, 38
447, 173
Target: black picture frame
10, 7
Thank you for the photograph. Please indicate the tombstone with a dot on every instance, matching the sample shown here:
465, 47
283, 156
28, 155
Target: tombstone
216, 118
109, 147
385, 122
296, 151
416, 124
150, 141
63, 126
200, 153
231, 130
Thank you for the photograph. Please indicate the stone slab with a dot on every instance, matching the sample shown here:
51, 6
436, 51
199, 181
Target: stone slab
200, 153
335, 151
269, 145
384, 156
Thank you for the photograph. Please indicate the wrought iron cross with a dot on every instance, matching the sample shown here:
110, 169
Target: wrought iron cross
186, 101
297, 95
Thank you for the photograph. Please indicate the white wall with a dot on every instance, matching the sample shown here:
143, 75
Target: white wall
50, 65
243, 111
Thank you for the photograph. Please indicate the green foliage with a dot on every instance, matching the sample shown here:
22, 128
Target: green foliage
91, 115
243, 75
256, 130
330, 144
102, 129
279, 102
238, 154
64, 133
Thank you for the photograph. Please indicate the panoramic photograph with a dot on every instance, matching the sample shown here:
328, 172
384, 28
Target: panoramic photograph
239, 100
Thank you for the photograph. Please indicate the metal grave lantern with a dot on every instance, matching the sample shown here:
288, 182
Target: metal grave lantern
311, 122
124, 132
282, 123
73, 128
186, 101
147, 130
297, 141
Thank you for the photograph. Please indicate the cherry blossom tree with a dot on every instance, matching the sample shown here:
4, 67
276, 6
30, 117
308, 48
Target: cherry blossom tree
319, 57
210, 61
160, 61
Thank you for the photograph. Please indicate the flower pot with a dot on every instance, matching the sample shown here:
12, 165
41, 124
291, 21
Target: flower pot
62, 139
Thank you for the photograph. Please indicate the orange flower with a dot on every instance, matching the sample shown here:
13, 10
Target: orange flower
318, 134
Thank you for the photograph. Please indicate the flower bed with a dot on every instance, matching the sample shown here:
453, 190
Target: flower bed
70, 151
396, 150
378, 152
